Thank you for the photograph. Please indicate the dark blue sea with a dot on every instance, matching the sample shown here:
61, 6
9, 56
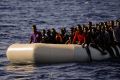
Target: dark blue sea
17, 17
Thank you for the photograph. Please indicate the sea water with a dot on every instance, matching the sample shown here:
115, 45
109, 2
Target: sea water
17, 17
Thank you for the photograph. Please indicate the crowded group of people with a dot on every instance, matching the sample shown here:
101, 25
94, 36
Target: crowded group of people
102, 34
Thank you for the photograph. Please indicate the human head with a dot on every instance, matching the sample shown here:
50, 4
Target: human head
112, 23
79, 27
85, 29
63, 31
43, 31
48, 32
72, 29
34, 29
94, 29
90, 25
98, 27
53, 30
102, 23
103, 28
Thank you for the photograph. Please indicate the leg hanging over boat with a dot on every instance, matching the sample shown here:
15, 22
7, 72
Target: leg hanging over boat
98, 48
109, 49
89, 53
116, 50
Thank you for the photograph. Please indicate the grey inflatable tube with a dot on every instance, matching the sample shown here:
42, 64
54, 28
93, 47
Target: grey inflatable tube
51, 53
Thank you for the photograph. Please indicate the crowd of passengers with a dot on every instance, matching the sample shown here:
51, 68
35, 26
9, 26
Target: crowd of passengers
103, 34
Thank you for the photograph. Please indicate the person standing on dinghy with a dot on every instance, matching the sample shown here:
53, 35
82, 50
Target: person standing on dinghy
36, 36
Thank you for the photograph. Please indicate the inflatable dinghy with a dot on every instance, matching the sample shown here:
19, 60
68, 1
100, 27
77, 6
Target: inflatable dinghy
51, 53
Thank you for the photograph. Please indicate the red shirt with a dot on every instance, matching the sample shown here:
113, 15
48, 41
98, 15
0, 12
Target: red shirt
79, 37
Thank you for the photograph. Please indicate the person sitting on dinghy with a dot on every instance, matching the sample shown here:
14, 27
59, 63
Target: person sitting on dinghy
64, 35
79, 36
36, 36
117, 33
49, 36
44, 36
58, 38
53, 35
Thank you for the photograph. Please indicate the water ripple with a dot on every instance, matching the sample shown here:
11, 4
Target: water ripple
17, 17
